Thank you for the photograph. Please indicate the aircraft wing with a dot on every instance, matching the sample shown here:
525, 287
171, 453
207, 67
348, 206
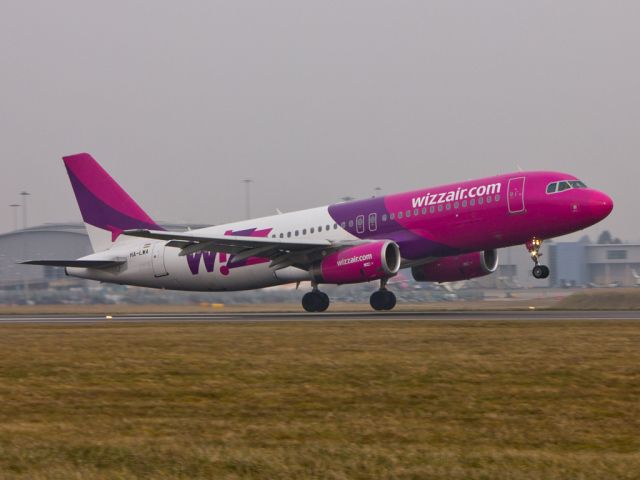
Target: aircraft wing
282, 252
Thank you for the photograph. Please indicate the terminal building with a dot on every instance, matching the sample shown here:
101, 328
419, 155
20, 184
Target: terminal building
59, 241
572, 264
590, 264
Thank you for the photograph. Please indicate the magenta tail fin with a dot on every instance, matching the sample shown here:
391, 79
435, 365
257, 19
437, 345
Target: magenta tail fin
107, 210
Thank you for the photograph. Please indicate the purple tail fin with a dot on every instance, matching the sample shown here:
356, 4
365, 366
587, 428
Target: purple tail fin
107, 210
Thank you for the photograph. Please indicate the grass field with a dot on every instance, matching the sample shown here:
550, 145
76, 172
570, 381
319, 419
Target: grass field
388, 400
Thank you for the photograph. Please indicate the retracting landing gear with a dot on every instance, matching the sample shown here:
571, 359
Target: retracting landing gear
382, 299
539, 271
315, 300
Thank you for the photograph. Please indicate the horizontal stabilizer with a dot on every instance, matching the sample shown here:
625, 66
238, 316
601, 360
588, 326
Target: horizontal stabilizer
76, 263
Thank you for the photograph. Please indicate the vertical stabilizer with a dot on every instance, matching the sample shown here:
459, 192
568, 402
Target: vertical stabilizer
107, 210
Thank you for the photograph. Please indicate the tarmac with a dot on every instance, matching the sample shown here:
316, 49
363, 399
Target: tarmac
257, 317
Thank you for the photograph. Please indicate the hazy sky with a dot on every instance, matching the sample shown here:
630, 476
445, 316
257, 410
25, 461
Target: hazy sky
180, 101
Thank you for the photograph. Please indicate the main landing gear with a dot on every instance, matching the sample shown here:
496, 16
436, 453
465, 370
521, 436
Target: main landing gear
315, 300
539, 271
382, 299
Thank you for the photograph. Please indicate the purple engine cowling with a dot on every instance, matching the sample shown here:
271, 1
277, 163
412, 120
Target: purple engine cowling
361, 263
459, 267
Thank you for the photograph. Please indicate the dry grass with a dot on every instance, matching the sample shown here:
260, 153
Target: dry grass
603, 299
389, 400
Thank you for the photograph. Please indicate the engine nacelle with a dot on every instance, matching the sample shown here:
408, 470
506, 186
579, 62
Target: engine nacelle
460, 267
360, 263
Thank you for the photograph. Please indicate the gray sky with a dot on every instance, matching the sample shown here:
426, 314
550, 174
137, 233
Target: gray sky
180, 101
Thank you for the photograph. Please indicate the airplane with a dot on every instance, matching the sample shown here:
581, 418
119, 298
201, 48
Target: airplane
446, 233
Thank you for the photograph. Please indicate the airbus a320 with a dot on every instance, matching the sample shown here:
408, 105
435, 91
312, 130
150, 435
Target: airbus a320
443, 234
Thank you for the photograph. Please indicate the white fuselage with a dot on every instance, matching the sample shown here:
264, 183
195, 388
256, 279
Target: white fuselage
151, 263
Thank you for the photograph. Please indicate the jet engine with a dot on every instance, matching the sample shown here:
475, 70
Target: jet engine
459, 267
360, 263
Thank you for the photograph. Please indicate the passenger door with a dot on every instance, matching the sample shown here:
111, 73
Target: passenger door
157, 260
515, 195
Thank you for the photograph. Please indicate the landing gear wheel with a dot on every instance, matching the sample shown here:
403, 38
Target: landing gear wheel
315, 301
390, 300
545, 271
324, 301
539, 271
382, 300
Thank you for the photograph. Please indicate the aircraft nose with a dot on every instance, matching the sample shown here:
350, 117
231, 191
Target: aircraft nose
600, 204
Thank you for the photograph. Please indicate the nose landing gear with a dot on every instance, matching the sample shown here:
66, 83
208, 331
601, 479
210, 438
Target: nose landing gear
315, 300
539, 271
382, 299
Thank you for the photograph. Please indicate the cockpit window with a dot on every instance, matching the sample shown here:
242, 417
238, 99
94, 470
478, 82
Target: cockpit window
564, 185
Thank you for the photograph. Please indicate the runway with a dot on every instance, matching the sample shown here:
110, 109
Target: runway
427, 316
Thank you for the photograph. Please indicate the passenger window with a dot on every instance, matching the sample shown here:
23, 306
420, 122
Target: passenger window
432, 209
464, 203
350, 223
392, 216
282, 235
497, 197
399, 214
415, 212
424, 210
480, 201
408, 213
489, 199
456, 204
360, 223
384, 217
320, 228
304, 231
335, 226
288, 234
297, 233
373, 222
448, 206
439, 208
551, 188
343, 225
472, 202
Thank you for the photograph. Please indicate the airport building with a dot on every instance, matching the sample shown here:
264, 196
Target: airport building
50, 241
572, 264
589, 264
